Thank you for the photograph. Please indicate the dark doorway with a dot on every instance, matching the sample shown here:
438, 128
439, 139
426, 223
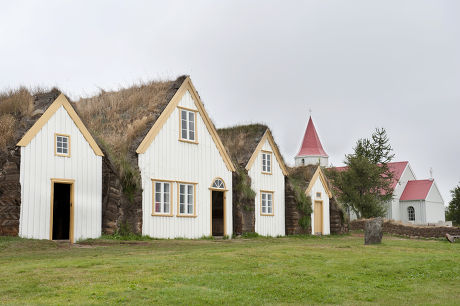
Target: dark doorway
61, 211
218, 213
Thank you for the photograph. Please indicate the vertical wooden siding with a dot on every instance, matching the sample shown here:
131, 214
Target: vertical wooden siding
167, 158
269, 225
318, 187
39, 165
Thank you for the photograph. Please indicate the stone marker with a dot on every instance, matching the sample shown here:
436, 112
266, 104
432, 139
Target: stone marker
373, 231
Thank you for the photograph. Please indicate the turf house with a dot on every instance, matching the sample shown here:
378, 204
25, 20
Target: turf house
175, 172
51, 169
258, 184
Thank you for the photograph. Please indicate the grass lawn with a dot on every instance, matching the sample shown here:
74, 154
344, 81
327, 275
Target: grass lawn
307, 270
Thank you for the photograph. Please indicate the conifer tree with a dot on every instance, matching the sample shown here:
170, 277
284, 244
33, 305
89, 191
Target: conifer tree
365, 186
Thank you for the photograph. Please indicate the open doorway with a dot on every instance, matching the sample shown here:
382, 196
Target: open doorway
61, 213
217, 213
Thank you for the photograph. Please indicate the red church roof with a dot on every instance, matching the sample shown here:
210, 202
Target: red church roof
311, 145
416, 190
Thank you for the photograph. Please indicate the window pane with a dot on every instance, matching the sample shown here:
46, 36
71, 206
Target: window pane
184, 134
269, 164
182, 208
166, 198
64, 151
59, 150
190, 208
182, 188
64, 139
191, 125
191, 135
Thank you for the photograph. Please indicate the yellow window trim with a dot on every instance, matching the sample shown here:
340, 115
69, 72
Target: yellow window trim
267, 136
55, 145
273, 202
178, 199
186, 86
52, 109
319, 174
180, 125
271, 161
170, 198
71, 221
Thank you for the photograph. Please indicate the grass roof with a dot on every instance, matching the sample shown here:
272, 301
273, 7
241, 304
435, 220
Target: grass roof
302, 175
241, 141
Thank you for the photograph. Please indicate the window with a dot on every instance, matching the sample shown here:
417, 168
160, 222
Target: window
162, 198
187, 125
62, 145
266, 203
266, 162
218, 184
318, 194
411, 213
186, 199
303, 162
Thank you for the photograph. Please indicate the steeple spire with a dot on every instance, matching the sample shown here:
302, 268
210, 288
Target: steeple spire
311, 145
311, 151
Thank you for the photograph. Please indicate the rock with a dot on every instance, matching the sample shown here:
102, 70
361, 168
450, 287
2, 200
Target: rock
373, 231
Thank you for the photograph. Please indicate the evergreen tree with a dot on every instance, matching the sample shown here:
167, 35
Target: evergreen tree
365, 186
453, 211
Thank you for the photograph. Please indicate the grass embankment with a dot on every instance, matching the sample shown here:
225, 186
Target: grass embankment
242, 271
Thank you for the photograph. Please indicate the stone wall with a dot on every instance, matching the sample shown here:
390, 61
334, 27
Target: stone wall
397, 228
338, 224
243, 209
292, 213
10, 192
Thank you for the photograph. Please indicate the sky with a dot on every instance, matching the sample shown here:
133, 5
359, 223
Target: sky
357, 65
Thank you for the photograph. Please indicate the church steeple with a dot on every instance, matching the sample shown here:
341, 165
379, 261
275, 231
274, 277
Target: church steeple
311, 151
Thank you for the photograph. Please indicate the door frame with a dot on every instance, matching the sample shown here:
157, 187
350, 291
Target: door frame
224, 191
70, 182
322, 216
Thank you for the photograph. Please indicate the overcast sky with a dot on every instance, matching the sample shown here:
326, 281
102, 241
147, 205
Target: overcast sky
357, 64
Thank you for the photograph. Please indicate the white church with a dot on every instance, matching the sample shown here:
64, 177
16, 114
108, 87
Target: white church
414, 201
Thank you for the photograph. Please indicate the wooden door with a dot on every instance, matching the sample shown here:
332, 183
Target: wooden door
318, 214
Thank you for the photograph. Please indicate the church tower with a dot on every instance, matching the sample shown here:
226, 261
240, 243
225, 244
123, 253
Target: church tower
311, 151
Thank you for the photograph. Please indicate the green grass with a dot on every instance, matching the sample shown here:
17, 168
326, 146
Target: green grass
301, 270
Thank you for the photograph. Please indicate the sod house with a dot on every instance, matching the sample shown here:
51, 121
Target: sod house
258, 184
51, 182
173, 167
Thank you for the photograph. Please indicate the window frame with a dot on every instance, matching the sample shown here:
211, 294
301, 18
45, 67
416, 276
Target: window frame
272, 193
410, 213
171, 193
56, 135
186, 215
267, 153
188, 110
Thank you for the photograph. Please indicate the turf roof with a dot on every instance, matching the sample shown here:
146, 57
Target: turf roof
241, 141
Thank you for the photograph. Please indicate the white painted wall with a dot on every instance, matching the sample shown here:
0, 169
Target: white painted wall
407, 175
168, 158
420, 211
268, 225
318, 187
435, 209
39, 165
311, 160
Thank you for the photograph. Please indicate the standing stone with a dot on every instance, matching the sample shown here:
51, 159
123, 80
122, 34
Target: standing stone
373, 231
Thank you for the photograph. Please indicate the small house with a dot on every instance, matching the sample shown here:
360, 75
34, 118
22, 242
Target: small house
260, 170
311, 181
60, 175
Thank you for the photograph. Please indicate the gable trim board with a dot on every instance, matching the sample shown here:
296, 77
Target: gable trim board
52, 109
267, 136
172, 105
318, 174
